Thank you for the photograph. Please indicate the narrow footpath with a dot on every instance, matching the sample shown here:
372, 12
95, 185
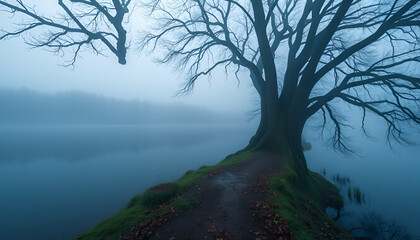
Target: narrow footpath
227, 201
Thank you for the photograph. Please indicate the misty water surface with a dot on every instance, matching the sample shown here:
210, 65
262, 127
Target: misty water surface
58, 181
389, 178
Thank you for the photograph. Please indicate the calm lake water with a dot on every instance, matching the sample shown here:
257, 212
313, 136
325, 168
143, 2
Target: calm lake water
56, 182
390, 179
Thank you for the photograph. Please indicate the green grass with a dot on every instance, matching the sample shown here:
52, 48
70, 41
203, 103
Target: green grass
137, 208
303, 203
292, 202
113, 227
155, 196
183, 204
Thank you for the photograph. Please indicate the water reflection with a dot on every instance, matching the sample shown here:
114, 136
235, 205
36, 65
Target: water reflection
58, 181
388, 179
77, 143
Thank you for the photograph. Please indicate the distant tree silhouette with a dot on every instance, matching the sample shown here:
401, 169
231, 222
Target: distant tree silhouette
83, 23
304, 57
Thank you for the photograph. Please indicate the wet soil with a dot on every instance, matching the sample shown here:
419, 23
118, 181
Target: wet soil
227, 204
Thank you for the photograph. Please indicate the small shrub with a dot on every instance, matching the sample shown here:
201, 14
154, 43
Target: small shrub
159, 194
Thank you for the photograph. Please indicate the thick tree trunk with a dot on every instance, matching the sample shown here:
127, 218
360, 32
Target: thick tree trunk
293, 134
281, 131
295, 119
269, 133
266, 136
284, 137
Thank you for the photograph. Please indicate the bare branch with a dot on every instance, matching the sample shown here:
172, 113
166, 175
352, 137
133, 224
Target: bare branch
88, 24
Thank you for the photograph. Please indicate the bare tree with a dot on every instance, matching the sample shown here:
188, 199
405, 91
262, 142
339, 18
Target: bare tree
82, 24
304, 57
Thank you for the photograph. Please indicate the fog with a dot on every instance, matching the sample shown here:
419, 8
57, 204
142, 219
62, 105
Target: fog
58, 181
80, 157
141, 78
30, 107
77, 142
80, 141
386, 172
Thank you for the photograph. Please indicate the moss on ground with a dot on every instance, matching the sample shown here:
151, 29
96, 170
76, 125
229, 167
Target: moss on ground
138, 208
302, 204
159, 194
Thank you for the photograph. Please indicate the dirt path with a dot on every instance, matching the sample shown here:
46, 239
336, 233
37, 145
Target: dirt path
224, 203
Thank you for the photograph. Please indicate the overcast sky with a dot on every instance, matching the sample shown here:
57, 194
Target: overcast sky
141, 78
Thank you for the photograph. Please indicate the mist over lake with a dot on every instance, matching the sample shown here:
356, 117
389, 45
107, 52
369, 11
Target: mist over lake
23, 106
392, 191
58, 181
69, 160
210, 119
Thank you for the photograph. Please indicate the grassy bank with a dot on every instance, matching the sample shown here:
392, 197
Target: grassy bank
139, 208
301, 205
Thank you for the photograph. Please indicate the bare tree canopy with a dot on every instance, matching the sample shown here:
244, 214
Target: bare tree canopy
304, 57
82, 24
